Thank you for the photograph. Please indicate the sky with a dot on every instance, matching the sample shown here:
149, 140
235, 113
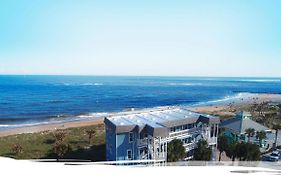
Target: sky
141, 37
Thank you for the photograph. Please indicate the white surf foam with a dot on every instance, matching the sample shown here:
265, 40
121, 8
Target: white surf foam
262, 80
185, 84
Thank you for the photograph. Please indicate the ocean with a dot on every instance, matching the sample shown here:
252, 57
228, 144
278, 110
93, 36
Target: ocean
32, 100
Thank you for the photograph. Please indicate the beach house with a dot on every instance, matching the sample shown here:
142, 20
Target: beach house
145, 135
235, 128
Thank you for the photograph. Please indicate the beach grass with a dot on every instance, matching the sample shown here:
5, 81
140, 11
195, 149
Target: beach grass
40, 145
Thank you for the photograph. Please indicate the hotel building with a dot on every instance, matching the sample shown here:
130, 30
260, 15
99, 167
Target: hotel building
144, 135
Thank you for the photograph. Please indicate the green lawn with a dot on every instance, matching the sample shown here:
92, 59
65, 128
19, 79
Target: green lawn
39, 145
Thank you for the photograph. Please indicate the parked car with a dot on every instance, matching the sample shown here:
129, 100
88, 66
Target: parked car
271, 158
276, 154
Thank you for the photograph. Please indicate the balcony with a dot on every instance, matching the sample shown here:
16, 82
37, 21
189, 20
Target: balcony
190, 146
143, 142
212, 140
188, 131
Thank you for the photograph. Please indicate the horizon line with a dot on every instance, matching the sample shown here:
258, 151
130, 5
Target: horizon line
130, 75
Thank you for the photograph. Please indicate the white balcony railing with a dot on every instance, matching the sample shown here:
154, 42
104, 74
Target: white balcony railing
187, 131
143, 142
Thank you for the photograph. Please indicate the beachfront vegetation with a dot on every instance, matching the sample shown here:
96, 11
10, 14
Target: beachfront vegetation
16, 149
61, 149
203, 152
91, 133
265, 113
243, 151
42, 145
240, 150
250, 133
260, 135
276, 127
222, 145
176, 151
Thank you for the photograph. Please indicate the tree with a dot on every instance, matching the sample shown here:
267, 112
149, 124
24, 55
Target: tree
16, 149
60, 149
59, 136
276, 127
261, 108
90, 134
261, 135
251, 152
231, 150
203, 152
176, 151
250, 133
221, 130
222, 145
243, 151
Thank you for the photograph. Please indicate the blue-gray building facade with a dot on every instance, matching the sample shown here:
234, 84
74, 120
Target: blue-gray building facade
144, 135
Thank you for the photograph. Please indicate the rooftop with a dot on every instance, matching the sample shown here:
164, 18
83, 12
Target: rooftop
155, 118
242, 122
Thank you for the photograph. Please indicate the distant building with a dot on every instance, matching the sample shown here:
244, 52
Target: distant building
236, 127
144, 135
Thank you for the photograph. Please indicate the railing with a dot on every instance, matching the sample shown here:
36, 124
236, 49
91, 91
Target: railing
126, 162
189, 146
212, 140
143, 142
187, 131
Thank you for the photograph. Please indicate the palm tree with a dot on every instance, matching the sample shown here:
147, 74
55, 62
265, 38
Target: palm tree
176, 150
221, 130
60, 149
231, 150
250, 133
276, 127
203, 152
90, 134
261, 135
60, 136
16, 149
222, 145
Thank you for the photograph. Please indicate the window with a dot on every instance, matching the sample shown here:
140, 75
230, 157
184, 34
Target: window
212, 131
216, 131
131, 137
129, 154
145, 135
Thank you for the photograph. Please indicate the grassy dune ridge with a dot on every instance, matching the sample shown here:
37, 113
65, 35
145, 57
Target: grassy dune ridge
39, 145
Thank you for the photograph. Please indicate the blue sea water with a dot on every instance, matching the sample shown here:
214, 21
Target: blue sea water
31, 100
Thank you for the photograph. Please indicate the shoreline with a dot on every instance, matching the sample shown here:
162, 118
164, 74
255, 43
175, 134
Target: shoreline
207, 108
49, 127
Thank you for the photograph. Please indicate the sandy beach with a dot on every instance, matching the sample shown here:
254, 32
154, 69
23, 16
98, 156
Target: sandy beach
49, 127
227, 108
221, 109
